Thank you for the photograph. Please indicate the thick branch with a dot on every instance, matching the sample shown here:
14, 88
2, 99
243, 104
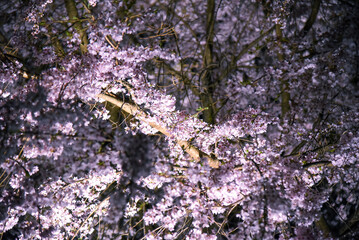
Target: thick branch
313, 16
73, 15
207, 78
59, 50
194, 152
251, 45
284, 86
317, 164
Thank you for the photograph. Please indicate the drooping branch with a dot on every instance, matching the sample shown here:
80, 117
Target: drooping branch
135, 111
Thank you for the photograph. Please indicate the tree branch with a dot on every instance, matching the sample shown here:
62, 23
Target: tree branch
206, 80
135, 111
317, 164
233, 64
284, 85
73, 15
313, 16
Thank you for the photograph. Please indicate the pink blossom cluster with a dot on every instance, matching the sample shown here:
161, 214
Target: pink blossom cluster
179, 120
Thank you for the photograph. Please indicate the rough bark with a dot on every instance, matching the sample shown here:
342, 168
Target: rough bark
207, 75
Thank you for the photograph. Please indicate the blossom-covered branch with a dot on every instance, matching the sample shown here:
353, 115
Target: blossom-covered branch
135, 111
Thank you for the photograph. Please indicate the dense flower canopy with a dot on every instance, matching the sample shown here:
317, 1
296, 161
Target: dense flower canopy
206, 119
